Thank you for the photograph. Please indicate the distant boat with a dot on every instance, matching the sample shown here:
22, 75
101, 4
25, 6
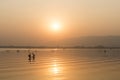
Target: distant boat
18, 51
105, 51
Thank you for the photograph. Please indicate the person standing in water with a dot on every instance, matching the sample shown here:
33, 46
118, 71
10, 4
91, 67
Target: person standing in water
33, 56
29, 57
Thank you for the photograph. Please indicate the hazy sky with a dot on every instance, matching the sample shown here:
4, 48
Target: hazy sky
23, 21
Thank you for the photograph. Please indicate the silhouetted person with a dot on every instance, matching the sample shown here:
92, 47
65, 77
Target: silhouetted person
33, 56
29, 57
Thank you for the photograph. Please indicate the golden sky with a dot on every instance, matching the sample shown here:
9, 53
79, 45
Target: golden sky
33, 18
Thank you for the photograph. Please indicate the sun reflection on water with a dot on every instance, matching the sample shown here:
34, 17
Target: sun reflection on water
55, 69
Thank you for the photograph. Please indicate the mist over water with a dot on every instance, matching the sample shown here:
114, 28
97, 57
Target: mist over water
109, 41
60, 64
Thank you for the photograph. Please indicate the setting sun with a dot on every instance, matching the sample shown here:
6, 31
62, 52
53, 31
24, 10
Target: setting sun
56, 26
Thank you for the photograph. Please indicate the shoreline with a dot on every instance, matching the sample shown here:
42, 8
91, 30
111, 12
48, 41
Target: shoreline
34, 47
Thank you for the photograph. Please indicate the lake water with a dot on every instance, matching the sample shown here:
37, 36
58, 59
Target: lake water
59, 64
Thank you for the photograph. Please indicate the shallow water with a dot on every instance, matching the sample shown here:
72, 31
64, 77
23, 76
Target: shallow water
59, 64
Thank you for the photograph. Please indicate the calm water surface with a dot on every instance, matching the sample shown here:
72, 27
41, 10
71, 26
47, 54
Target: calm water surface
59, 64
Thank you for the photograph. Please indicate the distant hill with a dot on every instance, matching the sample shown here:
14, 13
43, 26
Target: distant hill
112, 41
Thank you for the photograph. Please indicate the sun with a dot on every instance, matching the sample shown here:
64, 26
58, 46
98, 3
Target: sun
56, 26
